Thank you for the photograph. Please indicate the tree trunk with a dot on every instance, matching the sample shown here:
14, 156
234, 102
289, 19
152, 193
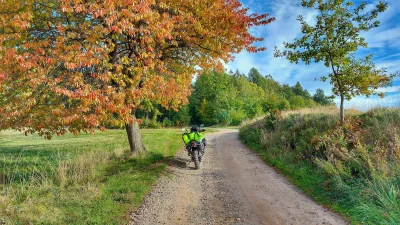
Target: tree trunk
341, 110
135, 138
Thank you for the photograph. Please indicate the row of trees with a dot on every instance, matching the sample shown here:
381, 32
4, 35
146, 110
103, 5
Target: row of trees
229, 98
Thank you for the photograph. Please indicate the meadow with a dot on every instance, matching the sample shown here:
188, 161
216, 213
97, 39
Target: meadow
84, 179
354, 170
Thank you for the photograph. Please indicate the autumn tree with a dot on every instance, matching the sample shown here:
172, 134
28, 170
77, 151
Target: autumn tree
73, 65
333, 40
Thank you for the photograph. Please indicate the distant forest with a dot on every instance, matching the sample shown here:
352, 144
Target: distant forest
229, 98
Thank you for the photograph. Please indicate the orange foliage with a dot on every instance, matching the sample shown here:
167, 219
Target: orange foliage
79, 64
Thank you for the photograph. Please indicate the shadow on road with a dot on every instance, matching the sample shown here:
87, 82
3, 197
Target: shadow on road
181, 163
178, 162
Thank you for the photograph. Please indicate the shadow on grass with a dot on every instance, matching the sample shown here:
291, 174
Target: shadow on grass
17, 158
17, 166
143, 164
150, 162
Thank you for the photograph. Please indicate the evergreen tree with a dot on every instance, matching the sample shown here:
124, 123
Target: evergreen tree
320, 98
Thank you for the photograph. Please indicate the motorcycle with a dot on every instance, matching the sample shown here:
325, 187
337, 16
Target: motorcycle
195, 144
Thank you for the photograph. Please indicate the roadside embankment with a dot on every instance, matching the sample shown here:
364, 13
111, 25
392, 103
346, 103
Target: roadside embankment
354, 169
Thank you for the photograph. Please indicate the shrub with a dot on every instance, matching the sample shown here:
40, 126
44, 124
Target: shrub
223, 117
167, 123
237, 116
182, 117
154, 124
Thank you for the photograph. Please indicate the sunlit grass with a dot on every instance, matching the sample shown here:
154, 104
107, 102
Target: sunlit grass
84, 179
328, 110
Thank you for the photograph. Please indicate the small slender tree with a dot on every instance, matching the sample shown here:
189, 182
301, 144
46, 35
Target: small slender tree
334, 39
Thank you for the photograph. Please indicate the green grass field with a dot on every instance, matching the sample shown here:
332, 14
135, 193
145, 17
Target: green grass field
84, 179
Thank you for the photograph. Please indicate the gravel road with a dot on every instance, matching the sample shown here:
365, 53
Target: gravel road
233, 186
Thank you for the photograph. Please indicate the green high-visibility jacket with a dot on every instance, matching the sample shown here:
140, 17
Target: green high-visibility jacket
193, 136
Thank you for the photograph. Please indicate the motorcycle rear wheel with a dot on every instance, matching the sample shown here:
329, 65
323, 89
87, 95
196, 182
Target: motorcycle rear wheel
196, 159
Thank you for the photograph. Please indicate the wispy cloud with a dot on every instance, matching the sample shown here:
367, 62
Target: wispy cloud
383, 38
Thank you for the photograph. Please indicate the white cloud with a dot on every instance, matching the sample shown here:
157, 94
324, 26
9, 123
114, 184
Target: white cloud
389, 89
244, 62
363, 104
388, 33
390, 65
380, 38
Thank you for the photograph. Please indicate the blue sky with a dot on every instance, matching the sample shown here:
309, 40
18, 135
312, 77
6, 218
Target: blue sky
383, 42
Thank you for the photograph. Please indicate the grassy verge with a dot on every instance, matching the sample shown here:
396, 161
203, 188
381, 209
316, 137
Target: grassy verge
355, 170
88, 179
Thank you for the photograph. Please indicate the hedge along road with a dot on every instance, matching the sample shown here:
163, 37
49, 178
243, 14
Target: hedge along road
233, 186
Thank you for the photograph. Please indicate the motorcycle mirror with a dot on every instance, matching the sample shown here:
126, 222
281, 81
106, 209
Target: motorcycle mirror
201, 125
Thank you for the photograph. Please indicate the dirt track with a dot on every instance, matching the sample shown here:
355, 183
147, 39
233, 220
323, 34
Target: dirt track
233, 186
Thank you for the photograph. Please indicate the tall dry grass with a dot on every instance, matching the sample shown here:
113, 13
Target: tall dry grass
357, 167
74, 170
20, 189
326, 110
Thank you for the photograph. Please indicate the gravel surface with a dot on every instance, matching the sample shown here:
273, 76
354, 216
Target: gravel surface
233, 186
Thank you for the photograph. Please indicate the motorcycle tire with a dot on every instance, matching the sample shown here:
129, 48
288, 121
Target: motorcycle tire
196, 159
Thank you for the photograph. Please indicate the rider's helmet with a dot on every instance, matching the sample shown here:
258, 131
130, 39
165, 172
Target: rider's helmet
194, 128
